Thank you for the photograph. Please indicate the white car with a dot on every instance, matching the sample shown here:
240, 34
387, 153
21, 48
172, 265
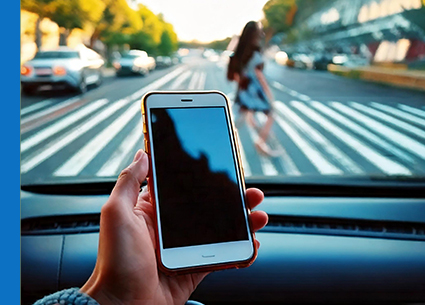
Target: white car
134, 62
62, 68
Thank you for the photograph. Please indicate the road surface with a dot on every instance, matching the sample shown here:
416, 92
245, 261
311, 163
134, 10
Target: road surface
325, 125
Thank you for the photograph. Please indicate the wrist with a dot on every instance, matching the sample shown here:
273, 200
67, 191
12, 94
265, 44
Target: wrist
96, 290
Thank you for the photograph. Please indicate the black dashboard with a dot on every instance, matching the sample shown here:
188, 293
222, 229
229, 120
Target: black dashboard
315, 250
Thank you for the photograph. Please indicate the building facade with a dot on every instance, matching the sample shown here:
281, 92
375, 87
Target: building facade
382, 30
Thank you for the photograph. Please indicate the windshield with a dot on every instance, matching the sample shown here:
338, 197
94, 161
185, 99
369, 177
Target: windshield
325, 91
130, 56
53, 55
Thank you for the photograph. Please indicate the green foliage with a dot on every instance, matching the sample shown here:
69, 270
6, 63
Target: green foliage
288, 16
276, 12
112, 21
157, 37
219, 44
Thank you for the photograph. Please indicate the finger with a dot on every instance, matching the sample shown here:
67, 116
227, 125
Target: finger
254, 197
257, 244
127, 188
258, 220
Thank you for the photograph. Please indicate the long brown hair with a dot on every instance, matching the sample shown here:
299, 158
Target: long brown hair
246, 46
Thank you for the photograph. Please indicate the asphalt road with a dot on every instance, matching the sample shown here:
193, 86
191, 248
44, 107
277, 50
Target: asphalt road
325, 125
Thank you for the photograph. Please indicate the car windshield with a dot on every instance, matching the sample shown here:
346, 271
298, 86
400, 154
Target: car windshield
130, 56
53, 55
328, 91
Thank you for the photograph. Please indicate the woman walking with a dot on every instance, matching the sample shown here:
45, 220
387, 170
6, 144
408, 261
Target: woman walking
254, 94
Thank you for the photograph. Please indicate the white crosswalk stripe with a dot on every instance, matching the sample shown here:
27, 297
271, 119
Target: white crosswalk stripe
389, 119
383, 163
36, 106
157, 83
193, 81
79, 161
373, 138
113, 165
396, 137
285, 160
61, 125
201, 83
316, 158
266, 165
56, 145
399, 113
49, 110
412, 110
319, 139
179, 80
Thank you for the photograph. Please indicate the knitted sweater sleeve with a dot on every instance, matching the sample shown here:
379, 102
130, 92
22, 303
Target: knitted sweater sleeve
71, 296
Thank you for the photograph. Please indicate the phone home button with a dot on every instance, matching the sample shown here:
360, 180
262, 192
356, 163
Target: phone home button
208, 255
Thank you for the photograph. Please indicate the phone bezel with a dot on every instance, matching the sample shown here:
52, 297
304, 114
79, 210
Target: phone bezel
208, 254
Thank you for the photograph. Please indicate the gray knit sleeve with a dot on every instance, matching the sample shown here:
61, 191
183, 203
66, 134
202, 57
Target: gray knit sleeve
71, 296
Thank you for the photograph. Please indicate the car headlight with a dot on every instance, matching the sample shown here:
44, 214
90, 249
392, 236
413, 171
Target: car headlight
281, 57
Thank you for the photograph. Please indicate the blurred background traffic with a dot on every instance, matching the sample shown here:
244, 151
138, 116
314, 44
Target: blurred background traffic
303, 34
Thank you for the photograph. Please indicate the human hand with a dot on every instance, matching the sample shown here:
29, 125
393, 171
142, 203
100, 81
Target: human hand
126, 270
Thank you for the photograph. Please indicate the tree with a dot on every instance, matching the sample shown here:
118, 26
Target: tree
68, 14
279, 15
157, 37
165, 47
41, 8
116, 24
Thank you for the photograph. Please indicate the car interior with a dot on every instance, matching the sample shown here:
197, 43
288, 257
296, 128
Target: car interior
354, 236
363, 246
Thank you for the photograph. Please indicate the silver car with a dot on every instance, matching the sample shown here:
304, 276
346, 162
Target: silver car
62, 68
134, 62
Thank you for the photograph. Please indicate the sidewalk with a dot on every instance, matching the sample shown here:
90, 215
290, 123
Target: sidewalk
412, 79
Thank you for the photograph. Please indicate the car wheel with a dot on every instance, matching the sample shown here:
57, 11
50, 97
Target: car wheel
100, 79
82, 87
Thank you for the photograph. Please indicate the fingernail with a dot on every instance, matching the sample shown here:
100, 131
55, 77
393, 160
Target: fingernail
138, 155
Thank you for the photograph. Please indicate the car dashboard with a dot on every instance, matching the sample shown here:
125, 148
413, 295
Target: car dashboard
314, 250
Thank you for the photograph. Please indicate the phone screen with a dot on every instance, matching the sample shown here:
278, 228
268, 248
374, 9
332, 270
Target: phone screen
199, 196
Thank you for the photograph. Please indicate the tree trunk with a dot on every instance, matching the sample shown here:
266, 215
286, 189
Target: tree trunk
38, 33
63, 36
94, 37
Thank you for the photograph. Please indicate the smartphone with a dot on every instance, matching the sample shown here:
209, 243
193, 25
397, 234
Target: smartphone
196, 181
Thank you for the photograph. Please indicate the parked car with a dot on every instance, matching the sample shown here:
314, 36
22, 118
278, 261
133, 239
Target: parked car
62, 68
321, 61
134, 62
350, 60
163, 61
302, 61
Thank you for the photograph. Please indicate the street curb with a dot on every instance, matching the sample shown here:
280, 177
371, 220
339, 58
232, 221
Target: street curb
398, 79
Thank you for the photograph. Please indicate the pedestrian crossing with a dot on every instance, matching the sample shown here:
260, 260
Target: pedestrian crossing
332, 138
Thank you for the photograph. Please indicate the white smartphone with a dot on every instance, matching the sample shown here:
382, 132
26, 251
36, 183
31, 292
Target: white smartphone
196, 181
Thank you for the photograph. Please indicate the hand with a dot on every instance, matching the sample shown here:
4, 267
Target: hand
126, 270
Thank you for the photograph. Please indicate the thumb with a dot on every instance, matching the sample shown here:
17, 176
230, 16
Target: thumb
128, 184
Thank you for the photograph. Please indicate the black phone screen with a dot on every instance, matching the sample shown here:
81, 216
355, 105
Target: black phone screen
198, 191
